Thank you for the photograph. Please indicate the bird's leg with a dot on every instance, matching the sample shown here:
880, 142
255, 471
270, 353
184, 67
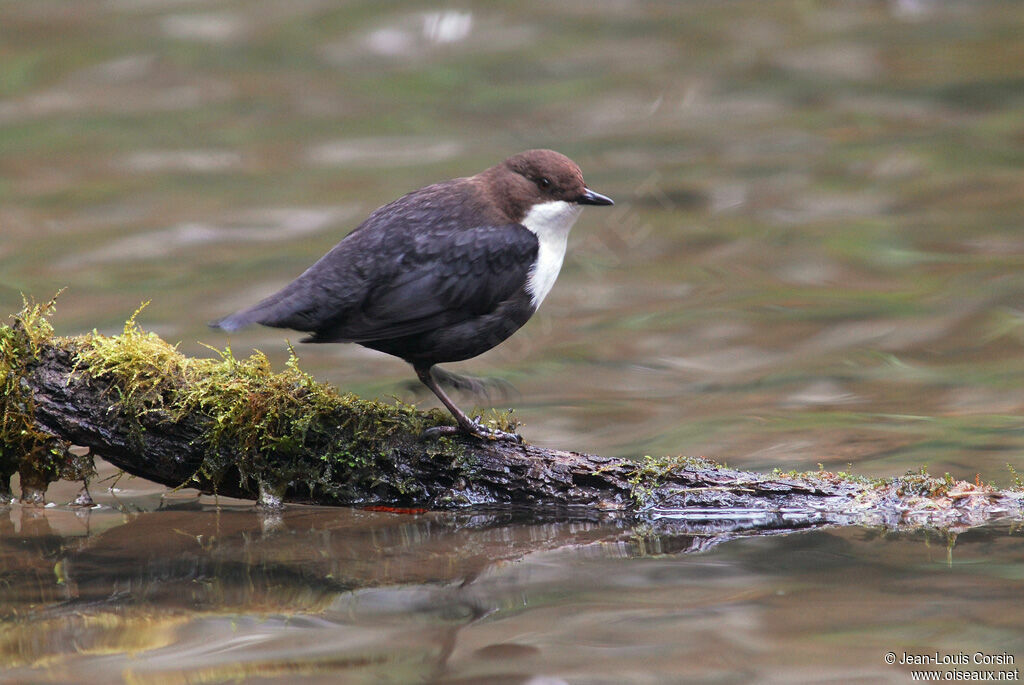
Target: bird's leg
466, 424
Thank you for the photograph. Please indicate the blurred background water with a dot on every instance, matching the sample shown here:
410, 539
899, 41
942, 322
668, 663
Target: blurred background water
815, 258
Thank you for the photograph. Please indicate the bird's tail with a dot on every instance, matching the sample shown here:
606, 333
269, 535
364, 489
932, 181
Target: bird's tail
279, 310
235, 321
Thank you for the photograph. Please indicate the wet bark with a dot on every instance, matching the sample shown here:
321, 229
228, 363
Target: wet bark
80, 409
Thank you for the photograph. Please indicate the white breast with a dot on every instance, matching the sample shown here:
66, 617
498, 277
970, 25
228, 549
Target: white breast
550, 222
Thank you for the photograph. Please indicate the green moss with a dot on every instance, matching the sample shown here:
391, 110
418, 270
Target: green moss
920, 484
831, 477
652, 473
38, 456
499, 420
1018, 481
262, 423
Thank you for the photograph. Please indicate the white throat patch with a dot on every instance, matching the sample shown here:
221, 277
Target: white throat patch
550, 222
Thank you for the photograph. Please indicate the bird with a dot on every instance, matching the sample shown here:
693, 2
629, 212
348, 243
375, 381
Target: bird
442, 274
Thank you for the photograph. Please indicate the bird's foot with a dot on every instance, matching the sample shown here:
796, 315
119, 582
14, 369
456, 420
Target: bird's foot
475, 429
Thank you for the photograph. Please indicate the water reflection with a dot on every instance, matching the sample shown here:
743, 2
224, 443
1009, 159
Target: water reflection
201, 557
194, 591
160, 576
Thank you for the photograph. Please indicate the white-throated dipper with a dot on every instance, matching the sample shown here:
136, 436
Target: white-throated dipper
442, 274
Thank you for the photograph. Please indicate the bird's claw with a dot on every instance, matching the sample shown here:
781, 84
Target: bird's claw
477, 430
495, 434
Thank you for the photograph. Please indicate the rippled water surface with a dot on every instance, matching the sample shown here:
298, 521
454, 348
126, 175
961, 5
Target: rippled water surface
815, 258
192, 592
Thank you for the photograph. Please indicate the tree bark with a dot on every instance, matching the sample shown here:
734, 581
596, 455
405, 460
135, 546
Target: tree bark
79, 406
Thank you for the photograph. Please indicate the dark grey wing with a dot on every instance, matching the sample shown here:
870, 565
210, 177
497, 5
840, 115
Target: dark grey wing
408, 268
382, 282
437, 278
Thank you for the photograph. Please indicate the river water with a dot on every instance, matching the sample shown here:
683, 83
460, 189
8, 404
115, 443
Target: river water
814, 259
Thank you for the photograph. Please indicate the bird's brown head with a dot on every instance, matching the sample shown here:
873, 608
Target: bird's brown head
538, 176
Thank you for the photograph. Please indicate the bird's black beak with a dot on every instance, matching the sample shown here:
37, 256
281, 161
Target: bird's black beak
589, 197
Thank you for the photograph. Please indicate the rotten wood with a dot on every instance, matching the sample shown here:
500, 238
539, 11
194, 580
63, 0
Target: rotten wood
81, 409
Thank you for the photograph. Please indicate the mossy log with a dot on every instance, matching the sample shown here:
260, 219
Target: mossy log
234, 427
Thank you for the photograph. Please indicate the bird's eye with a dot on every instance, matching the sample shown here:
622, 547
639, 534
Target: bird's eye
544, 183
